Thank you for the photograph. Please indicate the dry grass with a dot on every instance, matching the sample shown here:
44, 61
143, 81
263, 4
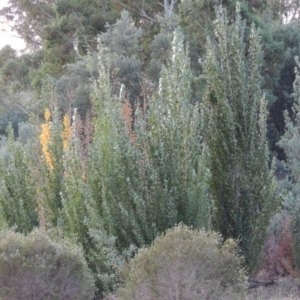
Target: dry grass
287, 288
278, 263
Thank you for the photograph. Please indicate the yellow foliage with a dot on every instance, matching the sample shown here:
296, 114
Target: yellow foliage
47, 115
67, 132
45, 139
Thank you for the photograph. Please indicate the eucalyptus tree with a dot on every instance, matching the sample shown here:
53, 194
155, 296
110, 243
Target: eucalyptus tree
160, 45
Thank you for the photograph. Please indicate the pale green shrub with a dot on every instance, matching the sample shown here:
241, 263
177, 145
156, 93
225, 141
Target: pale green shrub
185, 264
42, 265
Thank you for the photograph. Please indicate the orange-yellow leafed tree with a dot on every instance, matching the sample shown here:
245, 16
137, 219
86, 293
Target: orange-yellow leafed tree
45, 139
67, 132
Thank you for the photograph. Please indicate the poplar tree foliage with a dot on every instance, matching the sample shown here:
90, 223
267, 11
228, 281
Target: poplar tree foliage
52, 187
17, 188
290, 142
80, 217
171, 137
150, 178
234, 109
134, 182
291, 137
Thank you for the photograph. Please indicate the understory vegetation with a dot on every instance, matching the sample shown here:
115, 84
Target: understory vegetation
151, 152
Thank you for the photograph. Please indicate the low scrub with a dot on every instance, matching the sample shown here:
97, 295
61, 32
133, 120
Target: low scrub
42, 265
185, 264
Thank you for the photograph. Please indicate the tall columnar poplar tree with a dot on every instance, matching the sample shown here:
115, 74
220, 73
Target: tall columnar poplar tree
18, 205
235, 113
171, 146
290, 143
149, 176
290, 140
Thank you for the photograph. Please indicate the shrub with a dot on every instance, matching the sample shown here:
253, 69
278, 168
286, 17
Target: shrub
278, 249
42, 265
185, 264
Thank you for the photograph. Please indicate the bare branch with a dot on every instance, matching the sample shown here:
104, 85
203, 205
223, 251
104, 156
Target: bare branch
138, 10
169, 7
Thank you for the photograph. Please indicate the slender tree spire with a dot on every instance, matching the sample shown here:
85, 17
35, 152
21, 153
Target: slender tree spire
234, 110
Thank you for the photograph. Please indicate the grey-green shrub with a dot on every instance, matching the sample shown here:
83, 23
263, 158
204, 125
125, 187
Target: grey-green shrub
185, 264
42, 265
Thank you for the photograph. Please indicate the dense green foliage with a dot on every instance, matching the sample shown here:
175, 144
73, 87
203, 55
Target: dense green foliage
290, 193
150, 175
17, 200
288, 35
142, 118
234, 112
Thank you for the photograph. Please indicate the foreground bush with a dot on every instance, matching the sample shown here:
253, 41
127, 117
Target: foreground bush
185, 264
42, 265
